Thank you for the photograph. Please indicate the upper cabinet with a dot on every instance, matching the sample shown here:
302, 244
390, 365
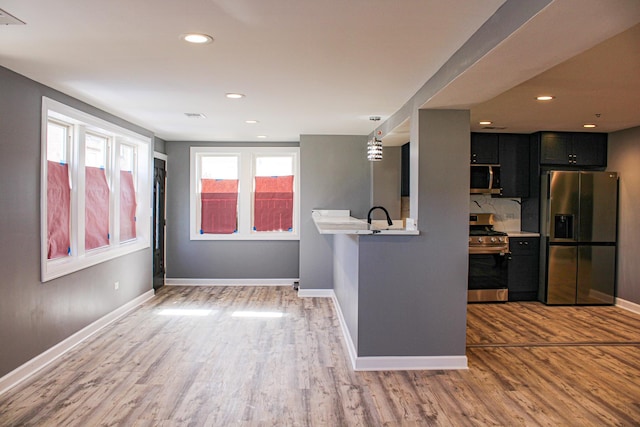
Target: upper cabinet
573, 149
484, 148
514, 164
511, 152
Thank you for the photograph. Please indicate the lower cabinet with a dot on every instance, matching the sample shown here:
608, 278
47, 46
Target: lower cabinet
523, 268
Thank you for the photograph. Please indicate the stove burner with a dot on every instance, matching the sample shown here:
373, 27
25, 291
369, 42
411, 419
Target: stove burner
486, 232
483, 239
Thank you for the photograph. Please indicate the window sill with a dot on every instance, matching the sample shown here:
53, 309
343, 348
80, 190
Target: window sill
64, 266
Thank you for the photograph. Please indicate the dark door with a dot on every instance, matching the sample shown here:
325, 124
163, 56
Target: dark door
159, 182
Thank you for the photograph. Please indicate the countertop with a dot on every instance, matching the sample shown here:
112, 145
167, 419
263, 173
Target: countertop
340, 222
522, 234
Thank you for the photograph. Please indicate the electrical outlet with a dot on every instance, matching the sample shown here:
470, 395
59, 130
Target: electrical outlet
116, 285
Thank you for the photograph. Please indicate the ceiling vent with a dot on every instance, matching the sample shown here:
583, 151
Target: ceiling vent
195, 115
8, 19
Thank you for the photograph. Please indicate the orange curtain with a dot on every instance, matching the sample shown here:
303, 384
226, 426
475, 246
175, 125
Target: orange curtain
127, 207
96, 208
273, 203
58, 210
219, 199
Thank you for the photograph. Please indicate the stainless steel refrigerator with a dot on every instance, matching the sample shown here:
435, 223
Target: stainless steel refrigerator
578, 237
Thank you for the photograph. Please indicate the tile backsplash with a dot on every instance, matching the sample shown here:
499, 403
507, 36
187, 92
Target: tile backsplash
506, 211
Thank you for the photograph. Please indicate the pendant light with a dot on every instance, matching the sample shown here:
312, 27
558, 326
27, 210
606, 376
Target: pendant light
374, 145
374, 150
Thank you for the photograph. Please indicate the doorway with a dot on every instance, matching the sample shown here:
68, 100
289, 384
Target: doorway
159, 220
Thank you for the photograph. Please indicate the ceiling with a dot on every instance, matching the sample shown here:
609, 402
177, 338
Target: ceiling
320, 67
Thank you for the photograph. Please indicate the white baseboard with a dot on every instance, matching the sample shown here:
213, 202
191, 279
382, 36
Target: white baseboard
352, 348
394, 363
628, 305
315, 293
410, 363
24, 371
230, 282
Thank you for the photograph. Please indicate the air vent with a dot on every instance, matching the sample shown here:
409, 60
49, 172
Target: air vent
8, 19
195, 115
494, 127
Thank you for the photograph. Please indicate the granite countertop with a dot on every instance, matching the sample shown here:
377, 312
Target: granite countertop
340, 222
522, 234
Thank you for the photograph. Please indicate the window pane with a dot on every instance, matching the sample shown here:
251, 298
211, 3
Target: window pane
96, 208
57, 142
274, 166
58, 210
128, 207
219, 167
219, 201
273, 203
95, 151
127, 157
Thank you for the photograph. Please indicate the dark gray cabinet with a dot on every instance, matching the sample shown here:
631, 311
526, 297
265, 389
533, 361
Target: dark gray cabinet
511, 151
514, 164
523, 268
573, 149
484, 148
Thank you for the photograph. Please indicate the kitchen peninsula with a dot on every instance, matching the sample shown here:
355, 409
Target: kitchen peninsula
365, 257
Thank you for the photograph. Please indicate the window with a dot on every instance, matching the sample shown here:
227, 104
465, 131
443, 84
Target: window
244, 193
58, 190
95, 190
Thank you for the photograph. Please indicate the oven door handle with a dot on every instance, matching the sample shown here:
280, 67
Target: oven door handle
489, 251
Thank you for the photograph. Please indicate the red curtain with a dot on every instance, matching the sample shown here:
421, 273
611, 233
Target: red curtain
219, 199
96, 209
273, 203
58, 210
127, 207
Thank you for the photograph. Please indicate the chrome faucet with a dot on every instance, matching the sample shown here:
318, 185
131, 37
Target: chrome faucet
385, 211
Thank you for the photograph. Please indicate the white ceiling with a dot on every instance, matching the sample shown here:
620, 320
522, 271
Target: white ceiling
307, 67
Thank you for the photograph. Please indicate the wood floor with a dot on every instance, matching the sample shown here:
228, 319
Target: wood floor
261, 356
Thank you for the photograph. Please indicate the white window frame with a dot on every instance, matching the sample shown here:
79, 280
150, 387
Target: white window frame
246, 156
81, 123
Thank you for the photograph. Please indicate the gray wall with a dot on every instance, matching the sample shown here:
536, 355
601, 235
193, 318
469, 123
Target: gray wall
211, 259
334, 174
35, 316
386, 183
413, 289
346, 272
159, 145
624, 158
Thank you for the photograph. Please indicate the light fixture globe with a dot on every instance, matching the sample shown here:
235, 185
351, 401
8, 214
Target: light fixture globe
374, 150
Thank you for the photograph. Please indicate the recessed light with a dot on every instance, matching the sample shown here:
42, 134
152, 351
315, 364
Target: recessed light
251, 122
234, 95
589, 125
485, 122
196, 38
545, 97
261, 136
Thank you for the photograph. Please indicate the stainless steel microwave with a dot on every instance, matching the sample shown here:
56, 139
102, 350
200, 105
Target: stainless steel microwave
485, 179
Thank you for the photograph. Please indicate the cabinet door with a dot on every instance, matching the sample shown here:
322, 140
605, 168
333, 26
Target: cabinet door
514, 164
556, 148
590, 149
523, 269
523, 274
484, 148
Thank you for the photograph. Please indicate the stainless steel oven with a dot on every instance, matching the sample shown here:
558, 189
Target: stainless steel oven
488, 261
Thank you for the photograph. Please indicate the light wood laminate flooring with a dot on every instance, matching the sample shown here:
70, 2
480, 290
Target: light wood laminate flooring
261, 356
